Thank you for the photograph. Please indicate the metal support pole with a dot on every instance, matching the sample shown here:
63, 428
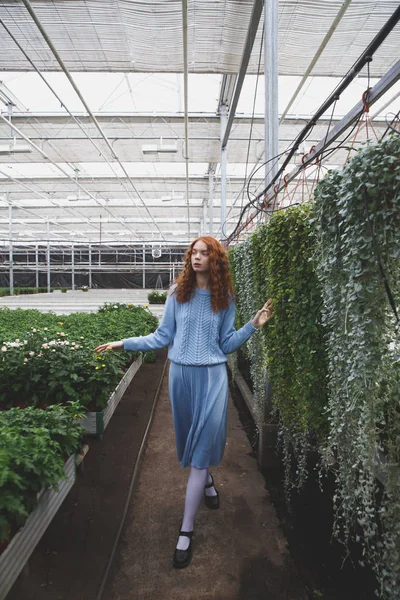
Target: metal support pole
186, 101
144, 267
48, 257
204, 228
211, 173
248, 47
11, 255
224, 118
37, 264
100, 242
271, 88
73, 267
90, 266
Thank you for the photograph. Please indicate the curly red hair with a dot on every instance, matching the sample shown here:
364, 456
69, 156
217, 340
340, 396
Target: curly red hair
220, 282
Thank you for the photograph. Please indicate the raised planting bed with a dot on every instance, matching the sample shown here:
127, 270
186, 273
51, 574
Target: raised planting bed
18, 551
95, 422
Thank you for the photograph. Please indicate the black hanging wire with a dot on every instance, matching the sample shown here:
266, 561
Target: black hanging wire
332, 150
390, 125
288, 149
374, 240
349, 77
252, 116
253, 200
250, 201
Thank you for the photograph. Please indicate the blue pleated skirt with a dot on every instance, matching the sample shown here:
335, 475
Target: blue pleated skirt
199, 400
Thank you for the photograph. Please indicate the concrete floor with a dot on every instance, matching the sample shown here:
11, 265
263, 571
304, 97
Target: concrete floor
240, 552
78, 301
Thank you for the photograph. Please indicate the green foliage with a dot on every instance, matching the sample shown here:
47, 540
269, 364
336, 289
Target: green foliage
248, 303
50, 359
333, 347
363, 348
294, 338
149, 357
156, 297
17, 291
33, 446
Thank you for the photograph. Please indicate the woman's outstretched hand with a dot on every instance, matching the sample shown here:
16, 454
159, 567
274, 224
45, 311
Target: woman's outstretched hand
113, 346
264, 314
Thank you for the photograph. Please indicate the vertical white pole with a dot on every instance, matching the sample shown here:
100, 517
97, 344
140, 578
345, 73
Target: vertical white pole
271, 122
73, 266
224, 119
204, 227
144, 268
48, 256
37, 264
211, 201
90, 266
11, 255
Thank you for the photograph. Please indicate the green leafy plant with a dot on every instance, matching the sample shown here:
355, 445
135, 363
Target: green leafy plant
295, 337
18, 291
156, 297
54, 361
248, 302
333, 348
33, 447
357, 226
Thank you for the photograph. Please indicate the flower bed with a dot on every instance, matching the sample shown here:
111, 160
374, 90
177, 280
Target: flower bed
46, 359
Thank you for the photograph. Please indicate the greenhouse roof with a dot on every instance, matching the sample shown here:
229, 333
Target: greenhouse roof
128, 36
126, 58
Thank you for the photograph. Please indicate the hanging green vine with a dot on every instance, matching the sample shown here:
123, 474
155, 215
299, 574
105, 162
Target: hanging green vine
295, 338
247, 305
357, 219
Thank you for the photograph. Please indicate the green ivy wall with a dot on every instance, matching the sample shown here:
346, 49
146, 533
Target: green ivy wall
332, 350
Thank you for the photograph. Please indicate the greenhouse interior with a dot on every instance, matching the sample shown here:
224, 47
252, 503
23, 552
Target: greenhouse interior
199, 237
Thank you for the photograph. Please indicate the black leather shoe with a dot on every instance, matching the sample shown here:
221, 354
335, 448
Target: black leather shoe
183, 557
211, 501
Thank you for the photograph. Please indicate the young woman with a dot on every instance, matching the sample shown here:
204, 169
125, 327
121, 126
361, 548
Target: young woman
199, 326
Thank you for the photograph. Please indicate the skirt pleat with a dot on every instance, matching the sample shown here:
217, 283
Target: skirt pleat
199, 400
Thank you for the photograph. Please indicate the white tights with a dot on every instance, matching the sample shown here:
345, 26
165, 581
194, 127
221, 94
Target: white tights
194, 493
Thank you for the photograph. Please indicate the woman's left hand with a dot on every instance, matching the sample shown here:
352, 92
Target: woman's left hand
264, 314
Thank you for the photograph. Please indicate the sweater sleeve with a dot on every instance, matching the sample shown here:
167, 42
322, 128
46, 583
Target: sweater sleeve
229, 338
163, 334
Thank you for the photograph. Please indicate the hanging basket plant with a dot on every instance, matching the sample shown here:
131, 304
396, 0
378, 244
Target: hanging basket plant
295, 337
248, 303
358, 241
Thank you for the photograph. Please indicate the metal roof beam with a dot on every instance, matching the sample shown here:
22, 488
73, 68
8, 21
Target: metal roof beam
251, 35
61, 118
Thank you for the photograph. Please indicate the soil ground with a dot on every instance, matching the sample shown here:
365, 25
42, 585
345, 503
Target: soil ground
240, 552
328, 571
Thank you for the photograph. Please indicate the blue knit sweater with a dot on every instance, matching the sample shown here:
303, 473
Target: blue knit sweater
196, 335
